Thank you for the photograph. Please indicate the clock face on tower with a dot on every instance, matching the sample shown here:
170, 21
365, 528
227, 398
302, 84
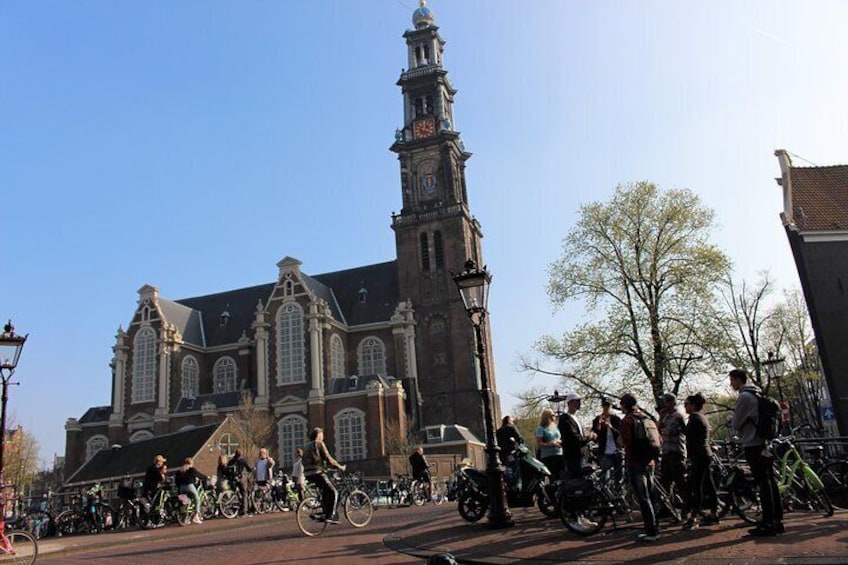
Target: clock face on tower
424, 128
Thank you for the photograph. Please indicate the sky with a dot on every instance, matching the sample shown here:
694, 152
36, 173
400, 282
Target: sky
191, 145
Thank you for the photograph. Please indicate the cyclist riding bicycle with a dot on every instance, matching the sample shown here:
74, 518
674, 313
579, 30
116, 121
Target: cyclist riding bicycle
420, 468
316, 458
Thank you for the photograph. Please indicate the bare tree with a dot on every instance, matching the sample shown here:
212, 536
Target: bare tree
257, 422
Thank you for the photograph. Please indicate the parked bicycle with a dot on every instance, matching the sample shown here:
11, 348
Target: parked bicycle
586, 504
800, 487
92, 514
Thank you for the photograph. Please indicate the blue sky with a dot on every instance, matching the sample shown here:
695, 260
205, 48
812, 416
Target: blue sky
191, 145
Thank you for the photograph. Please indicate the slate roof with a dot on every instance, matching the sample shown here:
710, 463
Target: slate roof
241, 305
135, 458
381, 283
187, 320
96, 414
200, 316
820, 198
219, 399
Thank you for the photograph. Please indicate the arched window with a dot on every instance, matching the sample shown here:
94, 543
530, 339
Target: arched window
292, 433
439, 250
227, 444
290, 345
372, 357
144, 366
337, 357
141, 435
425, 252
224, 375
95, 444
350, 435
190, 377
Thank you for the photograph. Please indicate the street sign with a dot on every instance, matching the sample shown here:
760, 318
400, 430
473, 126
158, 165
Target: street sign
828, 414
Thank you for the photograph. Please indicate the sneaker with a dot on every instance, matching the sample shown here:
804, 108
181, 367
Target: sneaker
586, 522
647, 537
196, 520
334, 519
690, 524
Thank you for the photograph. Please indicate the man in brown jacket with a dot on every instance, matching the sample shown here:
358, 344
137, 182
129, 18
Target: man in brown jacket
316, 459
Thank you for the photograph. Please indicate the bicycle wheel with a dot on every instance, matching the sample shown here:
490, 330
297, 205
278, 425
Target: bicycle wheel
228, 504
834, 476
418, 493
439, 495
746, 502
817, 499
262, 502
310, 517
358, 508
670, 503
23, 548
69, 523
589, 520
208, 506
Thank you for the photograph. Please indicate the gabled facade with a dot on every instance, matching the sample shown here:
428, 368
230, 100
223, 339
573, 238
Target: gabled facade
815, 217
363, 353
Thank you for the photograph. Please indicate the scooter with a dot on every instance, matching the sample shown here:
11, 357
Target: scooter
527, 481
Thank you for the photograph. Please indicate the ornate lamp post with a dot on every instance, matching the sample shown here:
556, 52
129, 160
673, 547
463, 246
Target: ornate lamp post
11, 345
473, 285
775, 369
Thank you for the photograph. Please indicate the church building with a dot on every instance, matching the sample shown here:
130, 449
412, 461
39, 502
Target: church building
365, 352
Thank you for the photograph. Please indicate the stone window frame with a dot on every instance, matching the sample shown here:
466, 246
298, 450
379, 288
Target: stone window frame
144, 366
349, 426
337, 357
141, 435
291, 347
94, 444
225, 382
189, 377
291, 433
370, 362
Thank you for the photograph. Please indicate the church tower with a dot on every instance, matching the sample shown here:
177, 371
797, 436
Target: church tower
435, 234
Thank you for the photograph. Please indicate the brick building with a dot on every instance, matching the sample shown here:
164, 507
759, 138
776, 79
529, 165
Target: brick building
365, 352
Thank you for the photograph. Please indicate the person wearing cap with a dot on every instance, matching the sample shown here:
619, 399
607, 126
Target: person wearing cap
573, 439
154, 476
316, 459
605, 426
640, 465
672, 426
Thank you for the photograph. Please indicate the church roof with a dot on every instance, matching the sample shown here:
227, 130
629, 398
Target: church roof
96, 414
133, 459
199, 318
219, 399
820, 198
380, 283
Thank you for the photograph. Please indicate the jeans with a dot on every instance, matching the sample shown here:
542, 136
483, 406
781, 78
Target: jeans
702, 490
192, 490
642, 480
762, 470
610, 462
329, 494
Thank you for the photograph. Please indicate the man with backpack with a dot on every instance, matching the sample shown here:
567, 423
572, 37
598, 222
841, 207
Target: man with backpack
640, 438
750, 423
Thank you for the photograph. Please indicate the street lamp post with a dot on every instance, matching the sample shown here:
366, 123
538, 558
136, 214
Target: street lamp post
774, 369
11, 345
473, 286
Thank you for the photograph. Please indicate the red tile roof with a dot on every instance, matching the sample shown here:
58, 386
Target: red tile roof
820, 198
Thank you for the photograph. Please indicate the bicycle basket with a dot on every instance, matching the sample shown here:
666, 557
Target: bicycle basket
578, 493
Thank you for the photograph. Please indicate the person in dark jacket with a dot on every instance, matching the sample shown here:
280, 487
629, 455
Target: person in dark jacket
640, 464
187, 479
316, 459
759, 457
508, 438
702, 490
672, 426
154, 476
605, 426
573, 439
236, 466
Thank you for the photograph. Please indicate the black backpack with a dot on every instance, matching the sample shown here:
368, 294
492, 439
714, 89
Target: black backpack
769, 416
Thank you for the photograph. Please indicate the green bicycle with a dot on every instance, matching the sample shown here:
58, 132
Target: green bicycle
800, 487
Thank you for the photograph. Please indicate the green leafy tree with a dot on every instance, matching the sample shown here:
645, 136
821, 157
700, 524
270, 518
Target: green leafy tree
643, 265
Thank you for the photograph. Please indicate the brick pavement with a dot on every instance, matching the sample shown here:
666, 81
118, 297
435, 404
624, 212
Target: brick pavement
809, 540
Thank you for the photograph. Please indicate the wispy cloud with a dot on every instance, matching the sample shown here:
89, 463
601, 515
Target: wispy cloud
773, 37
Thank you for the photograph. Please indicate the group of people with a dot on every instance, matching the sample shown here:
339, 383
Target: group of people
229, 474
685, 456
